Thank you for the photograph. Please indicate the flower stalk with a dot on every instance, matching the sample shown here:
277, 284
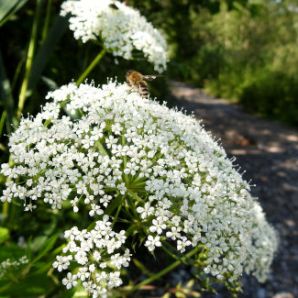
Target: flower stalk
91, 66
166, 270
29, 60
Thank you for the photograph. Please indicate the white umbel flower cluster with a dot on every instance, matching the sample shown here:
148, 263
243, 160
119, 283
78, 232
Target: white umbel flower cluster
108, 146
121, 28
95, 253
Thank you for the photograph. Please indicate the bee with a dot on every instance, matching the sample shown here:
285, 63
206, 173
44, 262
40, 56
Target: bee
138, 82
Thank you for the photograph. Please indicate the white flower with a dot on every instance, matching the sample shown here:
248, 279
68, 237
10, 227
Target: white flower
153, 242
62, 262
29, 207
145, 211
174, 233
158, 163
158, 225
95, 210
121, 28
69, 281
182, 244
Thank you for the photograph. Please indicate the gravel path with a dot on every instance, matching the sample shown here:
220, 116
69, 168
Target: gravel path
268, 151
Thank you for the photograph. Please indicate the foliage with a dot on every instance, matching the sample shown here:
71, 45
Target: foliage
246, 52
270, 88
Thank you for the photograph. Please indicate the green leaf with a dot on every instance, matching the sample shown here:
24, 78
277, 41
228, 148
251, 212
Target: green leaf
33, 285
5, 92
4, 234
80, 292
113, 205
46, 50
44, 244
2, 122
11, 251
37, 243
9, 8
51, 84
101, 149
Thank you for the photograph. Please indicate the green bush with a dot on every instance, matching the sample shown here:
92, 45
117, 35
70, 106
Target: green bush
273, 95
247, 52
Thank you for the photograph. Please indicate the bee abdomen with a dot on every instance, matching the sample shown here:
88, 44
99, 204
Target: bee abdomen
143, 89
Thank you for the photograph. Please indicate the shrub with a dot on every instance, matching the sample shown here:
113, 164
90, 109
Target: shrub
273, 95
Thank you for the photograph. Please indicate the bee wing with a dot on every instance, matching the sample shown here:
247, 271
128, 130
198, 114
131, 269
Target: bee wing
150, 77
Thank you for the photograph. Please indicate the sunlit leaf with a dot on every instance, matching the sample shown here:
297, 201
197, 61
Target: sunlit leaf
9, 8
4, 234
45, 244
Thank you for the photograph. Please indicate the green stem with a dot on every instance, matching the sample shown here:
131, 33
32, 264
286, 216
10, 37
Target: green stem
168, 252
2, 121
134, 195
17, 73
91, 66
29, 59
117, 212
165, 271
47, 20
5, 209
167, 249
2, 147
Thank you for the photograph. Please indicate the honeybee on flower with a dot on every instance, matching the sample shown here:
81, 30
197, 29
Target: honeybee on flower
138, 82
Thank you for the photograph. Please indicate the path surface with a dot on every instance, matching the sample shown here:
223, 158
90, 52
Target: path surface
268, 151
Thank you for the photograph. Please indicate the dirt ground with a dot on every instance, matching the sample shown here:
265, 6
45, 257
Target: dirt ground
268, 151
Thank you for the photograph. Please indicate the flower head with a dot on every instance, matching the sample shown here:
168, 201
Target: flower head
101, 146
121, 28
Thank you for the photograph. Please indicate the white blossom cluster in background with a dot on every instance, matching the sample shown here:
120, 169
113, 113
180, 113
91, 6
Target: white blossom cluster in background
96, 254
97, 146
12, 264
121, 28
